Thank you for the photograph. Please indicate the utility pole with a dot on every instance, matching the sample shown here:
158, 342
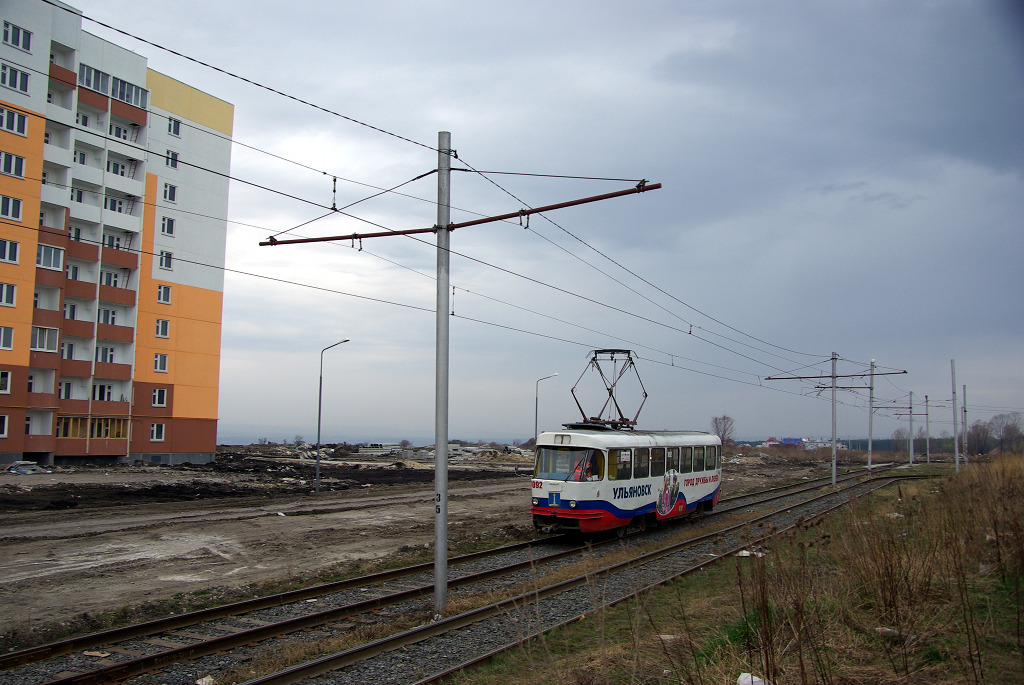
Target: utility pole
927, 432
911, 427
956, 434
835, 358
443, 229
444, 175
871, 410
963, 426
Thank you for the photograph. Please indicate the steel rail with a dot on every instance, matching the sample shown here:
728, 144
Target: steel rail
356, 654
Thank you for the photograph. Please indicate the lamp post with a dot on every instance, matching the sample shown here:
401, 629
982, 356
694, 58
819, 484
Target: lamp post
319, 410
536, 406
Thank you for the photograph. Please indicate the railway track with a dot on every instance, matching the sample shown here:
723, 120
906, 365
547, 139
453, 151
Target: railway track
134, 650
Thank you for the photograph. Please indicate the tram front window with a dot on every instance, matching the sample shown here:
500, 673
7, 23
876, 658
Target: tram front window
569, 463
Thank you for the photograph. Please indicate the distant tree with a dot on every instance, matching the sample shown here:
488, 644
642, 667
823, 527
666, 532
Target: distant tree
1006, 429
299, 439
722, 426
979, 437
899, 439
405, 444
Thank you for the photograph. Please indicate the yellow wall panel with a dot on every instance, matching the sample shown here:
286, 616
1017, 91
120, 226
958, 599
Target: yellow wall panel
191, 103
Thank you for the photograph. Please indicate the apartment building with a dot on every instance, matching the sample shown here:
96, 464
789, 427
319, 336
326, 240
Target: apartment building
113, 198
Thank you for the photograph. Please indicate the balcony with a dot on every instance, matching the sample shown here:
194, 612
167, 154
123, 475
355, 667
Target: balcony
115, 409
126, 185
115, 372
74, 407
50, 318
123, 220
121, 258
129, 112
76, 368
93, 99
44, 360
82, 290
42, 400
85, 251
39, 443
105, 331
87, 174
58, 155
53, 236
53, 194
63, 76
57, 112
54, 279
77, 329
117, 295
85, 211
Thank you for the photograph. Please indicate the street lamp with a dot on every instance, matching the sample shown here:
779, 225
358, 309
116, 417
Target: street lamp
536, 405
319, 410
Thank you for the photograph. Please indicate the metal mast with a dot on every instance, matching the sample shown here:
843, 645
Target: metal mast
444, 173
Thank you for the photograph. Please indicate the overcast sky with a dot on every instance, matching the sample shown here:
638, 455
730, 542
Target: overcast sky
837, 177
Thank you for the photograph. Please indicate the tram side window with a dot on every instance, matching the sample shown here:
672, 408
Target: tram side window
657, 461
718, 456
672, 459
620, 464
686, 463
698, 458
642, 463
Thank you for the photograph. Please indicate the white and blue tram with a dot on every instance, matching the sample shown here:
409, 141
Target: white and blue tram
590, 478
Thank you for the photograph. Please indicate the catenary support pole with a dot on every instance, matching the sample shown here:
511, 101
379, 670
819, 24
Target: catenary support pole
927, 432
835, 357
963, 424
444, 168
871, 410
911, 427
956, 434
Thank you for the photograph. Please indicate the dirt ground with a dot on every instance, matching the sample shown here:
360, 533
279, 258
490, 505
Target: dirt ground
90, 539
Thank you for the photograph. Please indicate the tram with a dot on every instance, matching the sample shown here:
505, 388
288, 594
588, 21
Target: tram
591, 477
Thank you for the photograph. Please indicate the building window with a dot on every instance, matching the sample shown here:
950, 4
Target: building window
167, 226
112, 241
3, 425
77, 195
72, 427
163, 328
79, 158
8, 251
119, 131
10, 208
160, 362
71, 272
159, 397
129, 92
114, 204
93, 79
170, 192
6, 338
82, 119
7, 294
64, 391
31, 383
13, 78
5, 382
109, 278
70, 310
12, 165
165, 259
116, 168
108, 428
173, 127
67, 350
171, 159
163, 294
75, 233
108, 316
17, 36
49, 257
156, 432
44, 339
105, 354
14, 122
102, 392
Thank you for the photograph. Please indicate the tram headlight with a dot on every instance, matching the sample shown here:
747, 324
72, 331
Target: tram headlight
535, 501
572, 504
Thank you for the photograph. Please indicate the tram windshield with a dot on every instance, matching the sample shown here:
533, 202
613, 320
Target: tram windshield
569, 463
